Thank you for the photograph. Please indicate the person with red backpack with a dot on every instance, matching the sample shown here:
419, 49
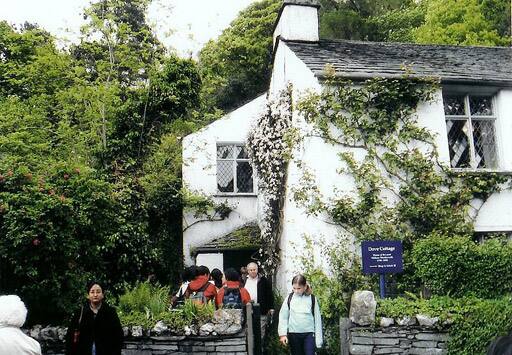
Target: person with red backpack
200, 290
232, 294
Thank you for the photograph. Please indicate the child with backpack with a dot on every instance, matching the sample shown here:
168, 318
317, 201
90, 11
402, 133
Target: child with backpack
187, 275
232, 295
300, 322
200, 290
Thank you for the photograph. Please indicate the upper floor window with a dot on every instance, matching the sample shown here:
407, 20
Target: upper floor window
234, 172
482, 237
470, 127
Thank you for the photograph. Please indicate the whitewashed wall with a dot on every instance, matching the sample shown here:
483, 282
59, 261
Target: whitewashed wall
200, 175
322, 159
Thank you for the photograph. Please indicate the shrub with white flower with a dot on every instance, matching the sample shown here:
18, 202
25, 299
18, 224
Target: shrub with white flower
269, 153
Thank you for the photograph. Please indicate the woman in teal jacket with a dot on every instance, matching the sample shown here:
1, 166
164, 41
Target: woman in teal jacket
300, 322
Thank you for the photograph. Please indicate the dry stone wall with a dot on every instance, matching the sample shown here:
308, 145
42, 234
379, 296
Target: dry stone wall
396, 340
52, 343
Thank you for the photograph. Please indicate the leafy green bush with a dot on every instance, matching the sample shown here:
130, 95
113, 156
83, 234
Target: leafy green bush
472, 322
64, 227
53, 230
146, 304
458, 266
145, 298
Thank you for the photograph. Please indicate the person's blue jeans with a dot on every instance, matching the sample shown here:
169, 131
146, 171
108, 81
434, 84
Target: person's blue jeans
302, 343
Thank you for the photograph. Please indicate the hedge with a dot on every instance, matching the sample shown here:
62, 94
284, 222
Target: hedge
459, 267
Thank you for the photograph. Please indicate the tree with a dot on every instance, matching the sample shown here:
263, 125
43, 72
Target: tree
396, 25
354, 19
237, 66
76, 131
457, 22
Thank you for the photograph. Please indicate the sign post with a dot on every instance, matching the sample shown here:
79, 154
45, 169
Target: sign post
382, 257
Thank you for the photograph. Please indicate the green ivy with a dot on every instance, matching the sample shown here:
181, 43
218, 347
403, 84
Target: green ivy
399, 159
401, 189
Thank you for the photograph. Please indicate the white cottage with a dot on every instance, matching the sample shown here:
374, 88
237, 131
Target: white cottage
216, 164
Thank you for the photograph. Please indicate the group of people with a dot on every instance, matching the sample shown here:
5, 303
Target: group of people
300, 321
95, 328
228, 290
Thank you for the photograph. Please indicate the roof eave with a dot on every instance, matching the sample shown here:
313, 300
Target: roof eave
447, 80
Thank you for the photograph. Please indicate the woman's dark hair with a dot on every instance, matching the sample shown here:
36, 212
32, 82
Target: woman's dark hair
90, 284
231, 274
203, 270
188, 273
299, 280
216, 276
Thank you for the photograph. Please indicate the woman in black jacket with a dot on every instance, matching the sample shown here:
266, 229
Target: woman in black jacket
99, 328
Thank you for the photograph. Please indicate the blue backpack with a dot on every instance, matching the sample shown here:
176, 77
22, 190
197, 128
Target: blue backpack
232, 298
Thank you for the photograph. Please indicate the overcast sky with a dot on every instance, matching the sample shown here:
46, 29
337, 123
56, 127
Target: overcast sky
184, 25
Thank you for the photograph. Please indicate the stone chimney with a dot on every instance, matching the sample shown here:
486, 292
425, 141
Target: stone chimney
298, 20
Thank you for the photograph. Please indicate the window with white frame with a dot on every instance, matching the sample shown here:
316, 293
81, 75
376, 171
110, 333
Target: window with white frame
470, 122
482, 237
234, 172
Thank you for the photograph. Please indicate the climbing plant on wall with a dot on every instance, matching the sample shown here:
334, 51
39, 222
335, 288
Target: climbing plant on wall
269, 152
401, 189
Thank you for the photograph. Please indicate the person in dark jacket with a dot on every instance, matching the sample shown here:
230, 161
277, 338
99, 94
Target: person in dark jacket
260, 290
98, 324
501, 346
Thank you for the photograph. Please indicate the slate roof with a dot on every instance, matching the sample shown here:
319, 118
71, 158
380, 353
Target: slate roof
244, 238
452, 64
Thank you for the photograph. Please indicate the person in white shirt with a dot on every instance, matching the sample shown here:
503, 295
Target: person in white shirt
13, 314
260, 290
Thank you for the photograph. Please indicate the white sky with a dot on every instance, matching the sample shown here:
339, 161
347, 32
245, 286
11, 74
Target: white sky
184, 25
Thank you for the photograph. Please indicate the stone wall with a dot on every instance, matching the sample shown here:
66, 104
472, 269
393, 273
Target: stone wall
223, 334
159, 345
413, 340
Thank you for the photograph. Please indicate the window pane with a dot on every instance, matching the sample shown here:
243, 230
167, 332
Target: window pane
458, 143
480, 105
485, 146
244, 177
454, 105
225, 178
242, 153
225, 151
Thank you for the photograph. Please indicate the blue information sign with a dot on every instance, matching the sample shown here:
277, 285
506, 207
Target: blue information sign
382, 256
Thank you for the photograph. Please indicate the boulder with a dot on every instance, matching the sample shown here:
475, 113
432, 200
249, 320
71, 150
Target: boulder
35, 332
206, 329
227, 321
61, 332
160, 328
404, 321
362, 308
386, 322
126, 331
137, 331
427, 321
48, 333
